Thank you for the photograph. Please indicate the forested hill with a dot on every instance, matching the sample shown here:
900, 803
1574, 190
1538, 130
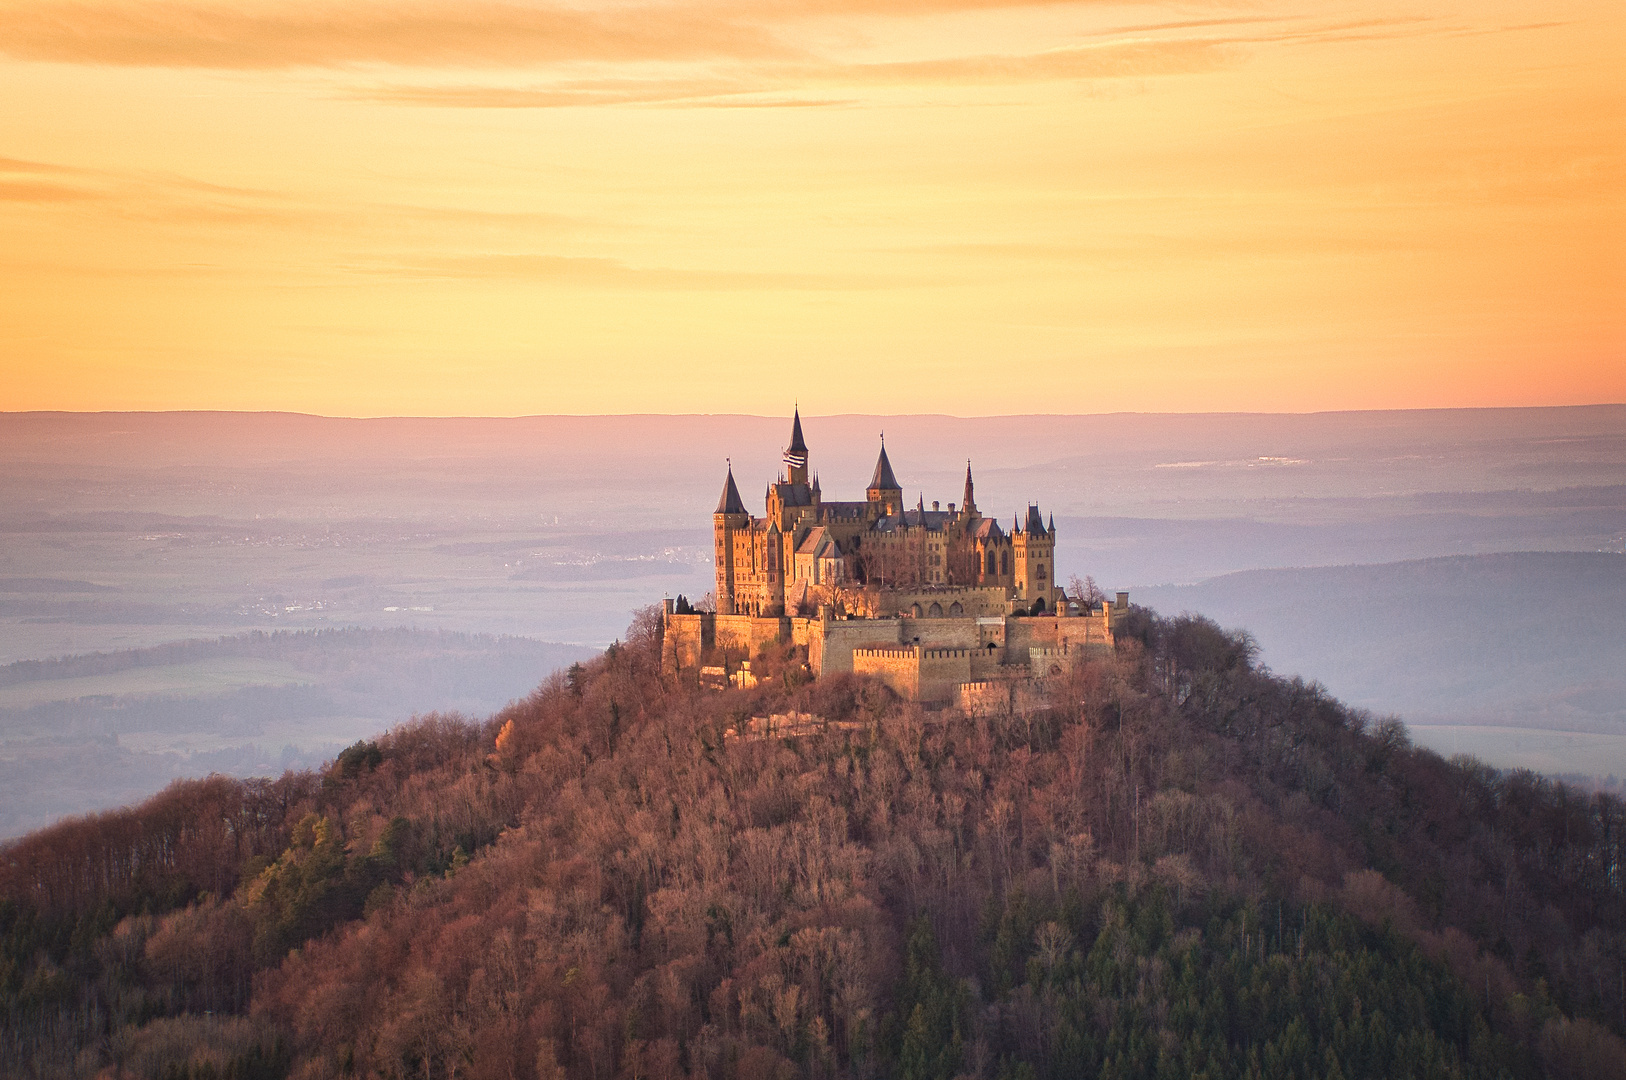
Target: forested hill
1182, 867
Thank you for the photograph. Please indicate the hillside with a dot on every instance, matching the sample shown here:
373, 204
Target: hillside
1182, 866
1469, 650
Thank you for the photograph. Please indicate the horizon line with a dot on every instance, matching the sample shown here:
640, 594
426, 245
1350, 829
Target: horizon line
19, 413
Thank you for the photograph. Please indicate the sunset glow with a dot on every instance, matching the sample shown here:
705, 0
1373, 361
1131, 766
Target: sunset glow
967, 206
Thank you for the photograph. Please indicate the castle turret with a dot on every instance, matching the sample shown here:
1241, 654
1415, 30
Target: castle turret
883, 486
969, 507
729, 519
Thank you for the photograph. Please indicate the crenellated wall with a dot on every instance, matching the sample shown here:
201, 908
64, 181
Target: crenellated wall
924, 659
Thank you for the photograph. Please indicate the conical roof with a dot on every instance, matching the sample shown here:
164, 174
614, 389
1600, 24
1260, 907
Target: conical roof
797, 445
883, 478
730, 503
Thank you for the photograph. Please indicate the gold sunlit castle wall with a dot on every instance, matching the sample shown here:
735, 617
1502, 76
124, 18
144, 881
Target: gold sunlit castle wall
940, 604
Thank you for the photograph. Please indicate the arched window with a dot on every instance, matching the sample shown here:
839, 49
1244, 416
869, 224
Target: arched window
956, 609
993, 567
1004, 562
1041, 569
915, 610
936, 610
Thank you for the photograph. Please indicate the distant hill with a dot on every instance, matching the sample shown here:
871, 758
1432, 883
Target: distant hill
1178, 865
88, 732
1523, 640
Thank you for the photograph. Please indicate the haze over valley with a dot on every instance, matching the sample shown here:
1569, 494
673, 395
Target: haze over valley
1408, 560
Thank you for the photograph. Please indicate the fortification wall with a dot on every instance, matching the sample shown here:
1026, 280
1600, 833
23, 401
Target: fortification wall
1086, 632
831, 643
685, 639
745, 634
973, 601
941, 672
942, 633
897, 666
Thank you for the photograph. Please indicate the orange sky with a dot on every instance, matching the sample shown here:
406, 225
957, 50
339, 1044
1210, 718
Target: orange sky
965, 206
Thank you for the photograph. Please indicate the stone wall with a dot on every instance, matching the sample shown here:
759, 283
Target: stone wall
831, 642
897, 666
941, 671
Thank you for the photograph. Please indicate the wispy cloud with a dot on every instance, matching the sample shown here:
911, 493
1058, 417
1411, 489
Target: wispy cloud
791, 82
39, 191
593, 272
475, 33
17, 165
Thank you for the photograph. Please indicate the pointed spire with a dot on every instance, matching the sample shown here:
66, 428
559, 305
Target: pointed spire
730, 503
797, 445
970, 506
1052, 524
883, 480
796, 452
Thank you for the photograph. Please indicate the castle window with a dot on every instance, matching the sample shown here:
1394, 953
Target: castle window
936, 611
956, 609
1041, 569
1004, 562
992, 566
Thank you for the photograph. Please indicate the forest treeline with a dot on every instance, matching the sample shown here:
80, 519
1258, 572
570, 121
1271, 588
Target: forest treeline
1181, 866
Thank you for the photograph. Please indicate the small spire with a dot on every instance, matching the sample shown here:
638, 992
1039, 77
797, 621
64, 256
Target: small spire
883, 480
730, 503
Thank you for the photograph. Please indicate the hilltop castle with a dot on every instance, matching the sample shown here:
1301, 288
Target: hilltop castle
939, 603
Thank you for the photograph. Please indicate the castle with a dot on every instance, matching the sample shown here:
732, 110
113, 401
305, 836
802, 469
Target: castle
944, 605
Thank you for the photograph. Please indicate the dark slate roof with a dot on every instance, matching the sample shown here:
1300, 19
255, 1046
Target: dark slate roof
883, 478
794, 494
932, 519
730, 503
988, 529
1035, 526
797, 445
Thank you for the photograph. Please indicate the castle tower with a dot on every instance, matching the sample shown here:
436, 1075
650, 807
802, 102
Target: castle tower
883, 491
796, 452
1034, 550
727, 522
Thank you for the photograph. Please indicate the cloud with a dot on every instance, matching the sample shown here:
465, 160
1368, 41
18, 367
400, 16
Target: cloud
26, 191
1139, 51
790, 81
476, 33
16, 165
592, 272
